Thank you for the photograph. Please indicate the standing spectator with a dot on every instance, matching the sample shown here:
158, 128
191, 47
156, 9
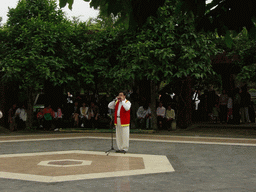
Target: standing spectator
40, 118
195, 98
93, 114
70, 98
170, 116
215, 113
160, 112
223, 106
84, 114
203, 109
251, 112
48, 117
21, 113
75, 114
230, 109
196, 102
11, 118
144, 116
245, 102
236, 106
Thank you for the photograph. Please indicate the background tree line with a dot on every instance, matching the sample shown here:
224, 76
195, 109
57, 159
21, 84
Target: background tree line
41, 48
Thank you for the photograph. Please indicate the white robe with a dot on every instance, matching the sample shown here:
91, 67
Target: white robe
122, 132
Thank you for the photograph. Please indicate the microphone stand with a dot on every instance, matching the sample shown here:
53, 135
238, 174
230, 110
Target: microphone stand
112, 137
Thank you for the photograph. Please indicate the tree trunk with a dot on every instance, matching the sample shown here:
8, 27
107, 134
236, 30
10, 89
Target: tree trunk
30, 115
228, 82
153, 105
184, 114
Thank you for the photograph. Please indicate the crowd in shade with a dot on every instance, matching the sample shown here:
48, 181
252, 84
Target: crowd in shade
80, 113
233, 107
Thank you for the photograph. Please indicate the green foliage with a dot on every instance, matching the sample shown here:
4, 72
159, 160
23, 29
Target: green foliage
167, 47
242, 54
219, 15
46, 10
35, 49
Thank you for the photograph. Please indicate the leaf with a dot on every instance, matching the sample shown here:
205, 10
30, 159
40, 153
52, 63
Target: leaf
252, 32
228, 39
62, 3
70, 2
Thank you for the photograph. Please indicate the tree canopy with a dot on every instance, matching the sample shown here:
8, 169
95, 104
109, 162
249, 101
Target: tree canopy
220, 15
36, 50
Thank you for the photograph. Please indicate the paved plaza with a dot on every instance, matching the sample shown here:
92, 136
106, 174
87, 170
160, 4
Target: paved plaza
78, 162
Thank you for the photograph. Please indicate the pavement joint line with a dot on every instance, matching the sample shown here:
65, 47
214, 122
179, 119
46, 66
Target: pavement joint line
197, 142
137, 139
166, 136
200, 137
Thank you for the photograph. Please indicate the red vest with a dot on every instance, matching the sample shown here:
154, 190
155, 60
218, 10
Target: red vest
124, 115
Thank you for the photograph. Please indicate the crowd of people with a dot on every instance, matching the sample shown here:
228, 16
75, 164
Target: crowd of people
47, 118
164, 117
232, 107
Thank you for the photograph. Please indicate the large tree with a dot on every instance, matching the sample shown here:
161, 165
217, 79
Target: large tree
169, 49
37, 48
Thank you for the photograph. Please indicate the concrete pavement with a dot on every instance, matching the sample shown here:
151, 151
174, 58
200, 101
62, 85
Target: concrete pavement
199, 163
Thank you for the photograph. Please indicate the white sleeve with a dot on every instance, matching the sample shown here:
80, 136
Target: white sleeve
86, 110
126, 104
17, 111
111, 105
139, 112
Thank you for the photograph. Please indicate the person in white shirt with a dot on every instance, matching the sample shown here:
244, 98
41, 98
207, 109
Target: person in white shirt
144, 116
22, 117
122, 121
160, 112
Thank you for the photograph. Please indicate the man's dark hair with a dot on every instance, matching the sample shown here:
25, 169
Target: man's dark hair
123, 92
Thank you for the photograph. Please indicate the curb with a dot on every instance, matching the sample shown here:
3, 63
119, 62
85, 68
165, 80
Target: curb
104, 131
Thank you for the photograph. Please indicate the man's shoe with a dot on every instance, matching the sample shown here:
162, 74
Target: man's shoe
120, 151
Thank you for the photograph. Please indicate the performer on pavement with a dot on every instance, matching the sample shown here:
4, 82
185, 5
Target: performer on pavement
122, 121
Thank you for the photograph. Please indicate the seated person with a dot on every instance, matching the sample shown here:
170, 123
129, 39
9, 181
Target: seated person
84, 114
144, 117
170, 116
58, 119
93, 113
40, 118
75, 114
160, 112
48, 114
